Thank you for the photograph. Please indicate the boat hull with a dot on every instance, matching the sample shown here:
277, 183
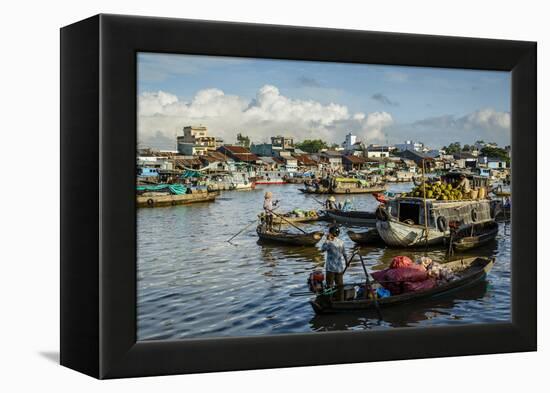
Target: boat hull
474, 270
370, 237
352, 217
173, 200
471, 242
398, 234
309, 239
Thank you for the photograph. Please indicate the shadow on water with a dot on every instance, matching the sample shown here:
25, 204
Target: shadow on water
404, 315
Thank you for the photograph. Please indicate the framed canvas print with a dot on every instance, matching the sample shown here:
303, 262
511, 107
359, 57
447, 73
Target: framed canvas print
240, 196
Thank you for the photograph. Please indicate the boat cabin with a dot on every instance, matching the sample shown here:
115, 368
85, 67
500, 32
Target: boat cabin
411, 211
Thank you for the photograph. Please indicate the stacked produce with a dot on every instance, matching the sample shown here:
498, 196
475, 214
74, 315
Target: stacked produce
438, 190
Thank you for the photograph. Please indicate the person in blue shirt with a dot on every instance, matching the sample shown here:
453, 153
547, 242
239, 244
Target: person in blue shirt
347, 205
335, 261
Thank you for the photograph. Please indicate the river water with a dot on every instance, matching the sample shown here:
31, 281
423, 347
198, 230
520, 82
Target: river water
192, 283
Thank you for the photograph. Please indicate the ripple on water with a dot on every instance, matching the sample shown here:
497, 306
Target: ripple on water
192, 283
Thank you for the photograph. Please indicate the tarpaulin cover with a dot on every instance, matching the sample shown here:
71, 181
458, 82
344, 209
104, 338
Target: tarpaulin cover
419, 285
176, 189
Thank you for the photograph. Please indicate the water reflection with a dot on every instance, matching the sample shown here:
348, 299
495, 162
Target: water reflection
192, 283
447, 309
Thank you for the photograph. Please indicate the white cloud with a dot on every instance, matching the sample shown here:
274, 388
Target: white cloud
488, 119
269, 113
375, 124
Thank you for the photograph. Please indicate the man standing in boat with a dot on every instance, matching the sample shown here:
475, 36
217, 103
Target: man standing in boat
464, 185
335, 261
269, 204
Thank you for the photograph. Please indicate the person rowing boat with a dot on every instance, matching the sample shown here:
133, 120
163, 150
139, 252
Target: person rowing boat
335, 261
269, 204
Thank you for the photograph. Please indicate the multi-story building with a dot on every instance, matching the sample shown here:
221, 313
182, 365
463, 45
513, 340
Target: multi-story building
279, 143
195, 141
410, 145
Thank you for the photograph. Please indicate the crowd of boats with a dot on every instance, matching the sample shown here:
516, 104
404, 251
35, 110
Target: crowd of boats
399, 221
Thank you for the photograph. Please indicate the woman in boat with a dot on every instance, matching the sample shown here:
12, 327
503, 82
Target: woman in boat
269, 204
335, 261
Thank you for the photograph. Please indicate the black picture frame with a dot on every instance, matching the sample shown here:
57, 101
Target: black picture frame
98, 212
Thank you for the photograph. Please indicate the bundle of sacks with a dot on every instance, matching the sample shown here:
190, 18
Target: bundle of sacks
404, 275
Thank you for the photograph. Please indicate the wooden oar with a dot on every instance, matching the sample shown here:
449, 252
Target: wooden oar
348, 262
369, 287
284, 219
241, 231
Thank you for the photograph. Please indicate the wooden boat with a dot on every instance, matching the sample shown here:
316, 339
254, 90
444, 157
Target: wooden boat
475, 236
173, 200
351, 217
295, 239
370, 237
294, 220
468, 270
343, 190
400, 222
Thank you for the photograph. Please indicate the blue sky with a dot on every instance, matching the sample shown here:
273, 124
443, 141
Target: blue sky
259, 97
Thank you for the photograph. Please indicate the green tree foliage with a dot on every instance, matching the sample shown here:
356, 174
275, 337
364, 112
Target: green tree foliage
495, 152
312, 145
453, 148
243, 140
467, 148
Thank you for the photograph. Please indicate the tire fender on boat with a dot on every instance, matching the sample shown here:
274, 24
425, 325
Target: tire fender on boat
150, 202
442, 223
347, 190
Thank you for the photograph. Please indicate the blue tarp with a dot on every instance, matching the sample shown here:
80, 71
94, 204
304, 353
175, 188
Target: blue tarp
176, 189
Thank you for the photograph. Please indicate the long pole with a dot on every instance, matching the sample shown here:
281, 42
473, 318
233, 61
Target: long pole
284, 219
241, 231
369, 288
426, 228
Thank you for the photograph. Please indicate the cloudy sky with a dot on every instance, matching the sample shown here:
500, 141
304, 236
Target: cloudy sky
261, 98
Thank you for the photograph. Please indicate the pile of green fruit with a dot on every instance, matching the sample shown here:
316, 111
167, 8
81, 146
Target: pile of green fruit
437, 190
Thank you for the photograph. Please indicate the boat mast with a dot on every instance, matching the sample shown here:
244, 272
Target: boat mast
426, 228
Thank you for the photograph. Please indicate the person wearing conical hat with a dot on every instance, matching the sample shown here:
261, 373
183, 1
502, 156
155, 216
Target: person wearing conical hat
330, 203
269, 204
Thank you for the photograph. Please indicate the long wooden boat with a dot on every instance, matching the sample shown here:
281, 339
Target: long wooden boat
295, 239
370, 237
478, 236
468, 270
173, 200
352, 217
343, 190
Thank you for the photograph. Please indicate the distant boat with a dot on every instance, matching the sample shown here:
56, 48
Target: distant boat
344, 185
159, 199
270, 177
351, 217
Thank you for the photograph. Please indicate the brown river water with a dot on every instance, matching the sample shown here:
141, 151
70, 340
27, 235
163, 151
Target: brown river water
193, 284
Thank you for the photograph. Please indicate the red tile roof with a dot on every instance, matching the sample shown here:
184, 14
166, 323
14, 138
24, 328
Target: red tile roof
354, 159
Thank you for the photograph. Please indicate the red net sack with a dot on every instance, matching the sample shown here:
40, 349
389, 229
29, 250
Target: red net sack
400, 261
411, 273
419, 285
